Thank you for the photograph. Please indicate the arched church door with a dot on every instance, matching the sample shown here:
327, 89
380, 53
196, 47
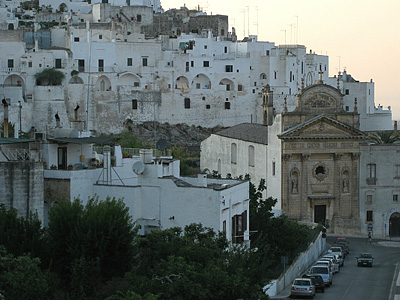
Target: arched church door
394, 225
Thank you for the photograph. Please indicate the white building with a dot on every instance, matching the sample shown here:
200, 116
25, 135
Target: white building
247, 148
151, 187
380, 190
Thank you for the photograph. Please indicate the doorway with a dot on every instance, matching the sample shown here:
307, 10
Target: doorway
320, 214
394, 225
62, 158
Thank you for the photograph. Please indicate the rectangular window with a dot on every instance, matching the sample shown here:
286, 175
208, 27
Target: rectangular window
139, 18
371, 170
144, 61
275, 74
228, 68
187, 66
397, 171
347, 92
206, 64
76, 39
129, 61
302, 67
370, 216
136, 84
10, 63
290, 76
134, 104
30, 64
81, 65
192, 63
240, 87
225, 49
208, 106
228, 87
227, 105
224, 226
273, 168
58, 63
187, 103
347, 108
371, 174
267, 52
101, 65
395, 198
100, 37
205, 46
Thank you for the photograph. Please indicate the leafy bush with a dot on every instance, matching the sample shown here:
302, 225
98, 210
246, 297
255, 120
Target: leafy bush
49, 77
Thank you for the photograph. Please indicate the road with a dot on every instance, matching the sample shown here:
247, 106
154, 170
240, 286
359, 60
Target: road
381, 282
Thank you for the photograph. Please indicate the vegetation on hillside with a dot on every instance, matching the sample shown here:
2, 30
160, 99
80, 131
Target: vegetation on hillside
49, 77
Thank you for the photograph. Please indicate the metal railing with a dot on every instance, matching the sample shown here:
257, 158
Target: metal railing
21, 154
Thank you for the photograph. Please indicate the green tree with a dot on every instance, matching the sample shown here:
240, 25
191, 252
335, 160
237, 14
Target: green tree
21, 277
90, 243
383, 137
49, 77
194, 263
21, 236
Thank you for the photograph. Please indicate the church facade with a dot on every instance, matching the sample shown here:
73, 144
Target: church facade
321, 160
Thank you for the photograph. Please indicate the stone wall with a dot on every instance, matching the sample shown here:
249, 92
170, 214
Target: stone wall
21, 187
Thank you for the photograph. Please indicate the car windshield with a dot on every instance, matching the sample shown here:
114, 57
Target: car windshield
336, 249
365, 255
319, 270
301, 282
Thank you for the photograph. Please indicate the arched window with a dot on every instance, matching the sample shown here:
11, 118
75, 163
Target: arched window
233, 153
251, 156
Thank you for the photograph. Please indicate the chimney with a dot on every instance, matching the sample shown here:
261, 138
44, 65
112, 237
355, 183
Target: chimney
202, 180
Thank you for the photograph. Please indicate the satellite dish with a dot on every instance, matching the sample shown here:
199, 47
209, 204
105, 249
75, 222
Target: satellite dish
138, 167
161, 144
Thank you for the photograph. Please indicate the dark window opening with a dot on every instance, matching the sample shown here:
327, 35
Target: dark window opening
58, 63
101, 65
10, 63
139, 18
134, 104
187, 103
347, 92
208, 106
76, 39
227, 105
144, 61
370, 216
240, 87
129, 61
320, 170
228, 68
81, 65
206, 64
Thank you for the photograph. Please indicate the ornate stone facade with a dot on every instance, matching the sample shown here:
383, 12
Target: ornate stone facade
320, 161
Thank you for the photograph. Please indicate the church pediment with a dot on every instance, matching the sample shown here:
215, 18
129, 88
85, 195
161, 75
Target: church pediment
322, 127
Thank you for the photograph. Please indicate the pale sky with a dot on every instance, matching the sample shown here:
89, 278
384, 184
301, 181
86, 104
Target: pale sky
362, 36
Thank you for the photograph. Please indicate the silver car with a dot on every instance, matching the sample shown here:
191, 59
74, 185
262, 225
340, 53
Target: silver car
325, 273
335, 263
302, 287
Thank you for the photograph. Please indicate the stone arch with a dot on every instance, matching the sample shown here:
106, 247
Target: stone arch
263, 76
75, 80
229, 84
394, 224
201, 81
63, 7
14, 80
129, 79
103, 84
182, 83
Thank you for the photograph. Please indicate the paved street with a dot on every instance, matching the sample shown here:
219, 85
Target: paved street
381, 282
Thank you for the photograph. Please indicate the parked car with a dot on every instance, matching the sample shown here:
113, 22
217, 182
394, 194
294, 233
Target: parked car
327, 263
342, 240
365, 259
338, 251
317, 280
325, 273
346, 246
302, 287
335, 262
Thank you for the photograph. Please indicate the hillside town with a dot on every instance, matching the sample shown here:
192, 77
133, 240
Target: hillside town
75, 73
